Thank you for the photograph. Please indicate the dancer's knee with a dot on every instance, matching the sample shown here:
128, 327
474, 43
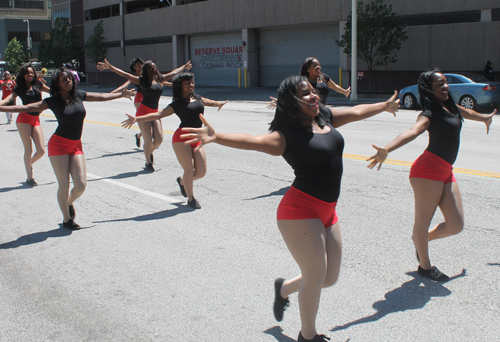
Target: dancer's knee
330, 279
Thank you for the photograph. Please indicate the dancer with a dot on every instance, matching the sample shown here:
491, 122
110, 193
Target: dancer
187, 105
8, 86
304, 133
65, 146
29, 89
135, 68
151, 83
431, 175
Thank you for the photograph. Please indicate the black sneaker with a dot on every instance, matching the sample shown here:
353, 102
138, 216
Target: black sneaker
137, 141
433, 274
280, 303
72, 212
183, 191
71, 225
317, 338
194, 204
31, 182
149, 167
152, 158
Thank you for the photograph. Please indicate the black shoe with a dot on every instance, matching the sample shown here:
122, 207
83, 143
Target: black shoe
433, 274
72, 213
137, 141
317, 338
183, 191
194, 204
31, 182
71, 225
152, 158
149, 167
280, 303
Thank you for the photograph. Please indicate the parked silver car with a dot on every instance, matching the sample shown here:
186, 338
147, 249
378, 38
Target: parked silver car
467, 89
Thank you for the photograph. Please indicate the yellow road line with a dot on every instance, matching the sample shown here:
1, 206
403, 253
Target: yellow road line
407, 163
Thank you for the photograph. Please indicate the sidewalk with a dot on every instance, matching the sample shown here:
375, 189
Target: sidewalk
250, 94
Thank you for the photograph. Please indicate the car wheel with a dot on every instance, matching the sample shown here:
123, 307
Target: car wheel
409, 101
468, 102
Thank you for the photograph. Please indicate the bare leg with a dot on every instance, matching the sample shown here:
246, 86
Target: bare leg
137, 104
147, 134
194, 165
37, 136
64, 166
25, 133
428, 194
157, 128
317, 251
453, 212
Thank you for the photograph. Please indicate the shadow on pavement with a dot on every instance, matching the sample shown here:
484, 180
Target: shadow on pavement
36, 238
117, 154
181, 209
410, 296
279, 192
277, 333
493, 264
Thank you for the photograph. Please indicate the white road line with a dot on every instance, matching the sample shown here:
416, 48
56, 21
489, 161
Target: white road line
136, 189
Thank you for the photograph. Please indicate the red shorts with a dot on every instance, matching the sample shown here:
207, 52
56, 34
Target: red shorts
177, 138
138, 97
59, 146
144, 110
28, 119
429, 166
297, 205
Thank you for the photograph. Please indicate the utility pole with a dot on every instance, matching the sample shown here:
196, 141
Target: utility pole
28, 43
354, 52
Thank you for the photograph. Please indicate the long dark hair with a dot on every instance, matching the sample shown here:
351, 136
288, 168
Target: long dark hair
289, 108
177, 84
149, 70
428, 98
134, 62
304, 69
54, 85
21, 83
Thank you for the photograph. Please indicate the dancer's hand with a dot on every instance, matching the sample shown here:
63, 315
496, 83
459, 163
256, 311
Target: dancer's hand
377, 158
128, 93
188, 65
489, 120
222, 104
103, 65
129, 122
273, 103
393, 103
204, 134
347, 92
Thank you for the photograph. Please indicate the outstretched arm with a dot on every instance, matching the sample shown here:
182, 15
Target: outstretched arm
96, 97
346, 115
402, 139
174, 72
273, 143
32, 107
212, 103
339, 89
122, 87
45, 88
106, 65
148, 117
469, 114
8, 99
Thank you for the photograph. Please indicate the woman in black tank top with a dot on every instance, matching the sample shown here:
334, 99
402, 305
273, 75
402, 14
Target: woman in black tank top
29, 89
151, 82
316, 248
443, 119
66, 102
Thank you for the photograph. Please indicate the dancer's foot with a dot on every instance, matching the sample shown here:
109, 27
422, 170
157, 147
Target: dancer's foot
280, 303
137, 140
72, 212
433, 274
193, 203
31, 182
317, 338
71, 225
149, 167
183, 191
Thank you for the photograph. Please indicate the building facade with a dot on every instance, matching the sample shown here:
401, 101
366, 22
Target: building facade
17, 17
271, 38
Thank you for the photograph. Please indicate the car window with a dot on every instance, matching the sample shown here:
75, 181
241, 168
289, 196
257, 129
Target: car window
452, 80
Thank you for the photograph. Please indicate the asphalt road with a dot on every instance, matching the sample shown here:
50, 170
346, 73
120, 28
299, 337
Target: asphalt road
147, 268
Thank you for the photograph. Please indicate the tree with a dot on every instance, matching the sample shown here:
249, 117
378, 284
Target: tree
61, 47
15, 55
94, 47
380, 35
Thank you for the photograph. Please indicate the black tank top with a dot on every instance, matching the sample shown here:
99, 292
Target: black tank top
189, 112
444, 134
322, 88
70, 117
29, 96
316, 160
151, 93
